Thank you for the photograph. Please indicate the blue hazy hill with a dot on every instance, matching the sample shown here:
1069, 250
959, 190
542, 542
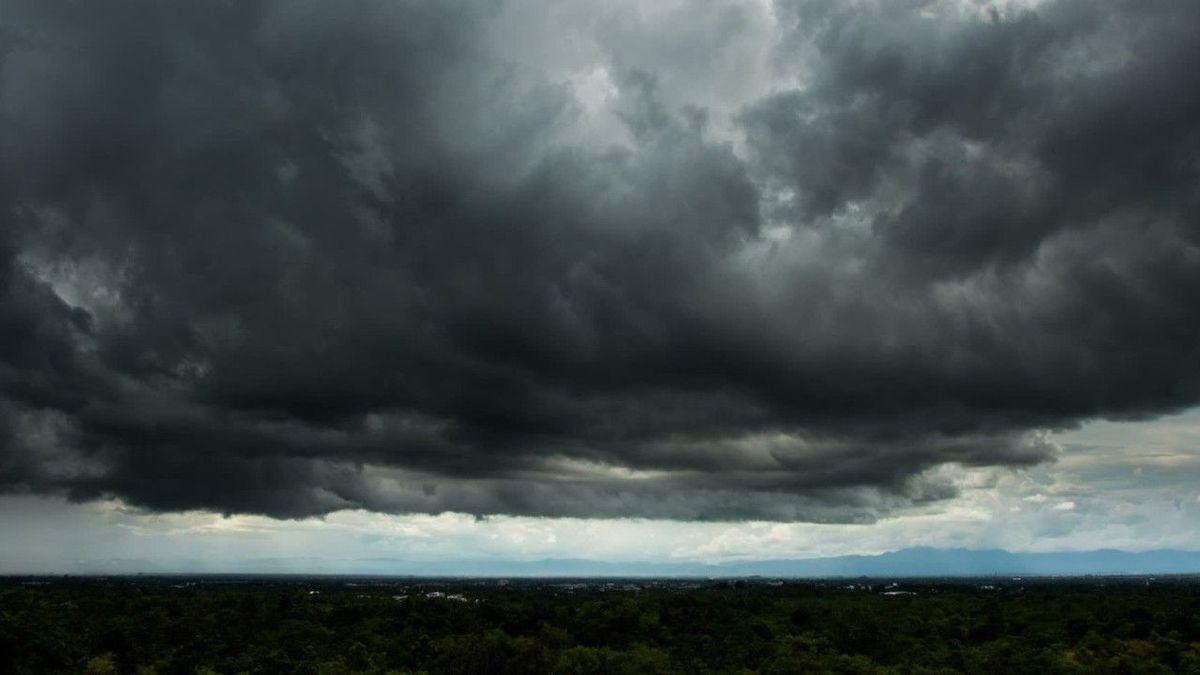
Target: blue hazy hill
909, 562
923, 561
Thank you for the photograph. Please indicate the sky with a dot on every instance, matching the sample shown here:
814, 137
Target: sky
323, 282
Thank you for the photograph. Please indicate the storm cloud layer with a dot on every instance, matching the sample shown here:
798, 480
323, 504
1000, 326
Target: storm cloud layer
703, 261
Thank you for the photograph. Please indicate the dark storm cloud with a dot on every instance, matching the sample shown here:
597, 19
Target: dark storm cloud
293, 257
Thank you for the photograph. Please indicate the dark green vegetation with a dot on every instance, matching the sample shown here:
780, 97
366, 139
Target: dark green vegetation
171, 625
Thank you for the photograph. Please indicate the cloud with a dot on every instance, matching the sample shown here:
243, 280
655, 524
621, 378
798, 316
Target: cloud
288, 258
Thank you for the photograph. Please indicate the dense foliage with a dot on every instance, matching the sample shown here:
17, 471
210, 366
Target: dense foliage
376, 626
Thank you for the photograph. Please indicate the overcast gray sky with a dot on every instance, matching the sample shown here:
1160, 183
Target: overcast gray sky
561, 278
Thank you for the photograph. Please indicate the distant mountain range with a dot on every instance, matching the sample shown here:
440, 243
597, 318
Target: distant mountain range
910, 562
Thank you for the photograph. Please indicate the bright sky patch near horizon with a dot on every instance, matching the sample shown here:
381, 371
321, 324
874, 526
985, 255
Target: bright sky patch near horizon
1130, 486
